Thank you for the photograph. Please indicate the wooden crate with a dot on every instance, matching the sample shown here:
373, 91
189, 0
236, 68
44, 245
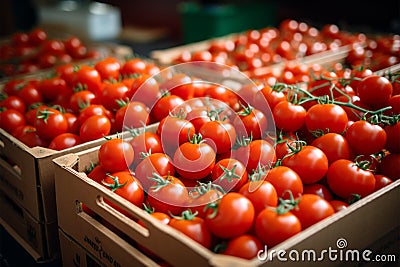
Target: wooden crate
360, 225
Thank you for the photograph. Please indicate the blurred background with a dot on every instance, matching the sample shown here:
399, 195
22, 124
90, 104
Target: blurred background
146, 25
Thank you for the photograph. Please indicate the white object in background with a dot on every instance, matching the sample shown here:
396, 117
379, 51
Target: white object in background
94, 21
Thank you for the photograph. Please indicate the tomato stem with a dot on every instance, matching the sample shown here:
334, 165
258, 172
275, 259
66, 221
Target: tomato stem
116, 185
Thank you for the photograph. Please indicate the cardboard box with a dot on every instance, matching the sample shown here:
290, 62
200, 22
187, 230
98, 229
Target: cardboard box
360, 225
39, 239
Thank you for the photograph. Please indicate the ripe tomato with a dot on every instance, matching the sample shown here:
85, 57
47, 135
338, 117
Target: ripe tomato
179, 84
309, 162
202, 195
375, 91
95, 127
327, 118
223, 94
96, 173
193, 226
87, 77
144, 89
92, 110
219, 134
250, 122
245, 246
334, 145
289, 117
381, 181
37, 36
233, 216
27, 135
81, 99
12, 102
267, 98
30, 94
158, 163
133, 66
284, 179
194, 159
230, 174
132, 115
338, 205
144, 142
108, 68
174, 130
50, 88
318, 189
389, 166
64, 141
50, 123
393, 140
111, 93
13, 86
345, 179
273, 227
311, 209
361, 133
165, 105
167, 194
261, 193
116, 155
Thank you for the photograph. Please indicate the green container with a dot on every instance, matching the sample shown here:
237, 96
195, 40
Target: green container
200, 22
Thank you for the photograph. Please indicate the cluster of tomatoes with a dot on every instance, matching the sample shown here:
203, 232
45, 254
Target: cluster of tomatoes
27, 52
237, 170
76, 104
255, 49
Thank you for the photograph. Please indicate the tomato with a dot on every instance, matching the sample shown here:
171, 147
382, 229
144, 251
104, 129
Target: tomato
133, 66
311, 209
87, 77
324, 84
247, 93
273, 227
224, 95
37, 36
245, 246
394, 102
174, 130
219, 134
95, 127
194, 159
92, 110
389, 166
198, 116
81, 99
230, 174
124, 184
261, 193
116, 155
30, 94
50, 123
289, 117
393, 140
283, 179
13, 86
27, 135
111, 93
366, 138
144, 89
179, 84
250, 122
53, 47
334, 146
338, 205
167, 194
318, 189
144, 142
309, 162
345, 179
66, 72
381, 181
202, 195
108, 68
158, 163
164, 106
12, 102
131, 115
375, 91
327, 118
96, 173
193, 226
20, 38
50, 88
72, 43
357, 74
233, 216
64, 141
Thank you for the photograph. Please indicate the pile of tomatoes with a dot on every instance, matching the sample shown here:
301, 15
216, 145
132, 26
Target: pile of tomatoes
27, 52
258, 48
237, 170
76, 103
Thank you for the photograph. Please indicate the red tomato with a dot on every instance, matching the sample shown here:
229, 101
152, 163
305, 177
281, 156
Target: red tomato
309, 162
144, 89
261, 153
158, 163
375, 91
194, 159
230, 174
64, 141
50, 88
345, 179
164, 106
111, 93
393, 140
334, 145
37, 36
267, 98
261, 193
27, 135
116, 155
338, 205
245, 246
50, 123
318, 189
179, 84
144, 142
381, 181
81, 99
133, 66
30, 94
250, 122
12, 102
203, 194
132, 115
193, 226
273, 227
327, 118
167, 194
361, 133
95, 127
284, 179
108, 68
311, 209
13, 86
224, 95
219, 134
87, 77
289, 117
234, 216
389, 166
92, 110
